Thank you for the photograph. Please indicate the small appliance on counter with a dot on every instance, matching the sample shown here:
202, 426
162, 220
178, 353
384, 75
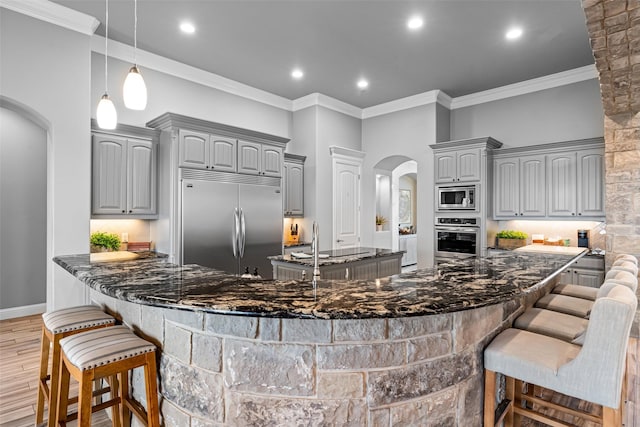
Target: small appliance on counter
583, 238
293, 236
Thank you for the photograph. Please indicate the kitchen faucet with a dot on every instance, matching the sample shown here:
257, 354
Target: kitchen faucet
316, 249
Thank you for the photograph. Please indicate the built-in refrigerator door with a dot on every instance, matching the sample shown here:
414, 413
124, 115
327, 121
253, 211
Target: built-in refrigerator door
208, 224
262, 209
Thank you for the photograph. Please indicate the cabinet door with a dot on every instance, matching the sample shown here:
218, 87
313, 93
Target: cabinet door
591, 278
194, 149
141, 177
249, 156
532, 186
506, 187
562, 184
590, 183
109, 170
412, 250
468, 165
402, 245
222, 153
294, 189
445, 164
271, 161
566, 277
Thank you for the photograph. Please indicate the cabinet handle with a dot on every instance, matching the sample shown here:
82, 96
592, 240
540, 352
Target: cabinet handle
207, 167
573, 213
516, 213
579, 213
521, 214
130, 211
123, 211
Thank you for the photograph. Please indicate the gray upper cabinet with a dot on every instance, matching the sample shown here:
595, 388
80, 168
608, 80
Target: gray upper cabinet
458, 166
259, 159
293, 185
590, 192
124, 182
519, 187
201, 150
560, 180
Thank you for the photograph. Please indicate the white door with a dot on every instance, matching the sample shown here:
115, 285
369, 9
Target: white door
346, 208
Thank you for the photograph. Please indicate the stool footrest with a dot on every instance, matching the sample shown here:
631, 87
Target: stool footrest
551, 405
104, 405
502, 410
137, 409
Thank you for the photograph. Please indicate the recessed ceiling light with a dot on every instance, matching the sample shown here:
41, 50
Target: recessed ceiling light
187, 27
297, 73
415, 22
363, 84
513, 33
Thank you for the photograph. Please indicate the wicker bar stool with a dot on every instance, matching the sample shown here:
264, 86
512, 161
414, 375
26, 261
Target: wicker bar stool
105, 353
57, 325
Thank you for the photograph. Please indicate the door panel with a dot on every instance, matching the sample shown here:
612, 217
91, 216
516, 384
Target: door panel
468, 165
591, 183
262, 208
445, 165
141, 175
109, 174
347, 209
532, 186
222, 154
506, 188
207, 224
562, 184
249, 157
271, 161
194, 148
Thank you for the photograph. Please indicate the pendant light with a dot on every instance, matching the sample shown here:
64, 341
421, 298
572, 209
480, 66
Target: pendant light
106, 114
134, 90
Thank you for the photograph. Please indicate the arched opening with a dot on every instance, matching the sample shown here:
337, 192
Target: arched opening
24, 218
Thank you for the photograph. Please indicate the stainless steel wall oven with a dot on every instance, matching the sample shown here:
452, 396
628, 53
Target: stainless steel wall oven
457, 237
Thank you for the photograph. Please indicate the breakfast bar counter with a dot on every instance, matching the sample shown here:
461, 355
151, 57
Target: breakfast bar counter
398, 350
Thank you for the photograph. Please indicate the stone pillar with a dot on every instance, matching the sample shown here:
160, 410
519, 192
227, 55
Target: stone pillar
614, 31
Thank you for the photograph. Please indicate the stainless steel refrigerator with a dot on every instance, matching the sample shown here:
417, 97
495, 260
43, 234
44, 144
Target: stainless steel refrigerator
231, 221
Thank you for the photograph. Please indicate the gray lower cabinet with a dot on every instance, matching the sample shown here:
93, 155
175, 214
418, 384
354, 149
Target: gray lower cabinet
587, 271
366, 269
124, 182
408, 244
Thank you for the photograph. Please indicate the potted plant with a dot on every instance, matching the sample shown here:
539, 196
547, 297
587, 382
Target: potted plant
380, 221
510, 239
104, 242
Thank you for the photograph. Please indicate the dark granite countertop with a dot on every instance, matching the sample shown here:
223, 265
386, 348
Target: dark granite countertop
458, 284
338, 256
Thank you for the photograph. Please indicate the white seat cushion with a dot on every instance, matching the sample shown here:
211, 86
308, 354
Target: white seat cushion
98, 347
627, 257
626, 266
578, 291
76, 318
551, 323
565, 304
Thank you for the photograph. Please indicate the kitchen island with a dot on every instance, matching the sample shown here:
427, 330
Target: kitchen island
400, 350
359, 263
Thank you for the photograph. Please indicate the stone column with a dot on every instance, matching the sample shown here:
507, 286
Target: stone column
614, 31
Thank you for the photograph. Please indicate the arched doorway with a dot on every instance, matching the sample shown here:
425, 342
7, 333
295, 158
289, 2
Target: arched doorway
23, 210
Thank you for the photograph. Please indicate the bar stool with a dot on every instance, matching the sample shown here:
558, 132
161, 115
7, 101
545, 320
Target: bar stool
593, 372
57, 325
104, 353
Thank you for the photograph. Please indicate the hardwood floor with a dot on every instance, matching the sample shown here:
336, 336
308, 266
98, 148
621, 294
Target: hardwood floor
19, 365
20, 359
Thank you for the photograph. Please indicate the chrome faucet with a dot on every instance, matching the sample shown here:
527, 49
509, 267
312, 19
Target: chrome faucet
315, 247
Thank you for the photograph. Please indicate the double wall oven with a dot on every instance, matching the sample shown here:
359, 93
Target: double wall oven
457, 237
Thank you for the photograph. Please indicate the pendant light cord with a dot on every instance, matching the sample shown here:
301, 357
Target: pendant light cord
135, 32
106, 37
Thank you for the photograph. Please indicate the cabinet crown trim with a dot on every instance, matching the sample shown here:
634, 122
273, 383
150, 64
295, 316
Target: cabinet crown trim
126, 131
578, 144
172, 120
485, 141
297, 158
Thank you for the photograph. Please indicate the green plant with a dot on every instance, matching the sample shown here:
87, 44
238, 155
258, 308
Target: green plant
105, 240
510, 234
380, 220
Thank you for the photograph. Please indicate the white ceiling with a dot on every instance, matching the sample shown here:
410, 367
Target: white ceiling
460, 50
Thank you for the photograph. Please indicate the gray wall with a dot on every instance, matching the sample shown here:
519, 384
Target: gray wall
23, 217
560, 114
47, 69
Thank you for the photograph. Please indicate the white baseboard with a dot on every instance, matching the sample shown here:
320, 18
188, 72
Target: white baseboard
25, 310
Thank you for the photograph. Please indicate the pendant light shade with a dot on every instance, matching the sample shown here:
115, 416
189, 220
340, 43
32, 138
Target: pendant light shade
106, 113
134, 90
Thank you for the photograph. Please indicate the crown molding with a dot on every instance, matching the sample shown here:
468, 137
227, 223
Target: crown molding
150, 60
325, 101
347, 153
54, 13
425, 98
576, 75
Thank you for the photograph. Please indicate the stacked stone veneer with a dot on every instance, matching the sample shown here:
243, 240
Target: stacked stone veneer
226, 370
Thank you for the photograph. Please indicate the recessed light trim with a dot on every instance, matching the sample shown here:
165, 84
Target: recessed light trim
415, 22
362, 84
297, 73
187, 27
513, 33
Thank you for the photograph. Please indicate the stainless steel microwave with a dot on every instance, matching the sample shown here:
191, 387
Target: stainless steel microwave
457, 197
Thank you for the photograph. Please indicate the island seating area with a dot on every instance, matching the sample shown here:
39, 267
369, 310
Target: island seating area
396, 350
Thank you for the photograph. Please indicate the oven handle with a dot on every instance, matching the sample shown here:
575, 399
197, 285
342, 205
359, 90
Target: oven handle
470, 228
